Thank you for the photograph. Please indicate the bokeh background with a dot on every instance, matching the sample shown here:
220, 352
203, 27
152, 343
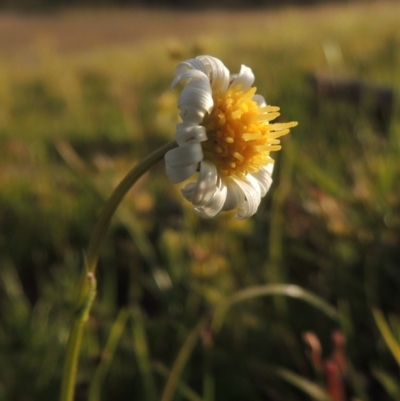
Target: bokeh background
85, 94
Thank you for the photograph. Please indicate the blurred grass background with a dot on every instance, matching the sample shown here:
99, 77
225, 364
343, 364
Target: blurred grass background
85, 95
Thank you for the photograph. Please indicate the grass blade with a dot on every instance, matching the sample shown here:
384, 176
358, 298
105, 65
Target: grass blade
390, 384
143, 355
181, 387
387, 335
108, 354
181, 360
287, 290
316, 392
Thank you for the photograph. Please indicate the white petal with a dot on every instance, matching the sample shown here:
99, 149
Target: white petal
217, 72
245, 78
235, 196
190, 133
179, 174
259, 100
190, 75
195, 99
194, 116
215, 204
206, 183
184, 155
252, 193
191, 64
208, 194
264, 178
188, 190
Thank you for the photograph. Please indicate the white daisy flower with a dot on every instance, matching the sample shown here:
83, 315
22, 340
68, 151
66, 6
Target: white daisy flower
225, 138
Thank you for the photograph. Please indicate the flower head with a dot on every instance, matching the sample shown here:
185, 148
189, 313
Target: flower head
226, 136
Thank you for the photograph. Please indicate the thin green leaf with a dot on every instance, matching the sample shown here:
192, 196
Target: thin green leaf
108, 354
287, 290
142, 353
182, 388
313, 390
390, 384
387, 334
181, 360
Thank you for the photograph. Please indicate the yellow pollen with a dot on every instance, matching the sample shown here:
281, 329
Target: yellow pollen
240, 137
238, 156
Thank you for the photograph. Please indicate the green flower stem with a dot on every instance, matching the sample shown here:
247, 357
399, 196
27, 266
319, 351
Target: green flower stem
87, 284
116, 198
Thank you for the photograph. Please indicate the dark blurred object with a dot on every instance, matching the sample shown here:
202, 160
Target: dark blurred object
377, 101
42, 5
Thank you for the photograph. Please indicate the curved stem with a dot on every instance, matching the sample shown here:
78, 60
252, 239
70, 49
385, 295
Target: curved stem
87, 284
287, 290
116, 198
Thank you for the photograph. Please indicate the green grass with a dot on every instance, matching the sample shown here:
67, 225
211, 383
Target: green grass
73, 123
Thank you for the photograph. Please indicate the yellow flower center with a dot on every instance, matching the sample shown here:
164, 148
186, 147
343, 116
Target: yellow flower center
240, 137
